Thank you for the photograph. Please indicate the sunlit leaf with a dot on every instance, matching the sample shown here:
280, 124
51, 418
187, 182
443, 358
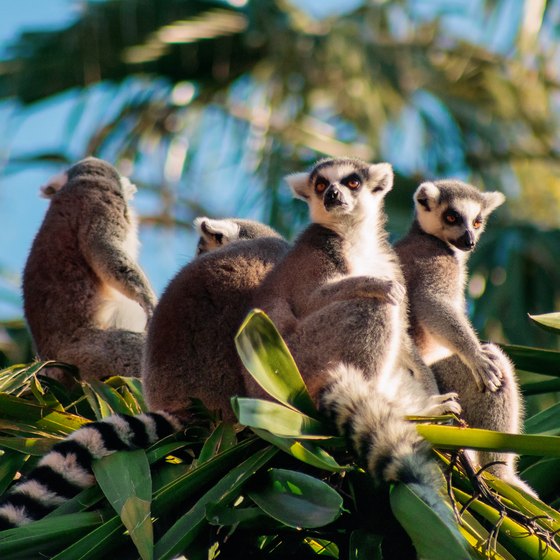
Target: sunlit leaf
548, 321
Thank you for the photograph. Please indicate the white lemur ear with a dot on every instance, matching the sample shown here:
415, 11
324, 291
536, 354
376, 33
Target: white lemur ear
216, 231
381, 177
426, 196
492, 200
299, 183
53, 186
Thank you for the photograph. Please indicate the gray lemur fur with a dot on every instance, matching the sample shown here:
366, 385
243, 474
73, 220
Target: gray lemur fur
450, 217
336, 298
86, 300
190, 350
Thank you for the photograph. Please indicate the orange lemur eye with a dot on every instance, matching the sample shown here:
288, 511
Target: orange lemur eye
353, 183
320, 186
452, 217
477, 223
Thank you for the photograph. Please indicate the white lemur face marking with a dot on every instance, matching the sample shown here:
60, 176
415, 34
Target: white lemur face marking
339, 188
454, 211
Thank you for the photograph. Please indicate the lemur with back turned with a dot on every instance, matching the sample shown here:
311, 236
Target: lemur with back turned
190, 353
449, 218
337, 299
86, 299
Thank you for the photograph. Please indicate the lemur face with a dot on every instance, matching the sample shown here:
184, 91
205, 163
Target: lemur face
336, 188
455, 212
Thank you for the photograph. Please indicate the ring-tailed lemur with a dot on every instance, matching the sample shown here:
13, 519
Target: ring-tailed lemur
190, 350
449, 219
336, 298
198, 315
86, 300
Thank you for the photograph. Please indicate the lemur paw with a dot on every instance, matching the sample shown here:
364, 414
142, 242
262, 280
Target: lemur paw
438, 405
395, 292
486, 373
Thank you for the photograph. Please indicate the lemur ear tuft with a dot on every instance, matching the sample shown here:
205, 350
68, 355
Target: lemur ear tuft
381, 177
53, 186
299, 183
216, 230
492, 200
426, 196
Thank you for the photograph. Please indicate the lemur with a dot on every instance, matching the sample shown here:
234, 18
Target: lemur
449, 218
190, 350
86, 299
190, 353
337, 299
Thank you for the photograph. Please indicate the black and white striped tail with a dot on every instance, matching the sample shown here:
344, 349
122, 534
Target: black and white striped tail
376, 425
66, 469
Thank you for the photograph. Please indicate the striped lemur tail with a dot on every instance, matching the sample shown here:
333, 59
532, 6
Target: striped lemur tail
66, 469
371, 414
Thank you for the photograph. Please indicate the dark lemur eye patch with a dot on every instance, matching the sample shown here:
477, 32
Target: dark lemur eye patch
477, 222
353, 181
321, 184
452, 217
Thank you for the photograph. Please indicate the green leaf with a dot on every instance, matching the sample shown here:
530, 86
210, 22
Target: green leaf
543, 476
187, 527
127, 483
37, 539
322, 547
116, 404
247, 517
296, 499
548, 321
541, 387
306, 451
449, 437
536, 360
268, 360
434, 533
10, 463
29, 446
546, 422
222, 438
277, 419
365, 546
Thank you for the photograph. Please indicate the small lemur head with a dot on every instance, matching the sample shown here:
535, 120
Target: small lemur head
88, 167
218, 233
454, 211
339, 188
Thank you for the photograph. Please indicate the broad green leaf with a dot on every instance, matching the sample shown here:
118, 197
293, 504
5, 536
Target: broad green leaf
99, 406
127, 483
246, 517
434, 533
187, 527
548, 321
10, 463
114, 401
449, 437
306, 451
365, 545
222, 438
536, 360
267, 358
97, 544
15, 378
37, 539
84, 500
322, 547
512, 535
546, 422
543, 476
541, 387
296, 499
277, 419
133, 386
29, 446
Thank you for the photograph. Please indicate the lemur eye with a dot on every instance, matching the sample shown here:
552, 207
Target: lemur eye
452, 217
353, 183
320, 186
477, 223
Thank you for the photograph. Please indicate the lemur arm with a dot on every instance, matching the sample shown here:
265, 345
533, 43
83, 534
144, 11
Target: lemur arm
389, 291
105, 253
451, 328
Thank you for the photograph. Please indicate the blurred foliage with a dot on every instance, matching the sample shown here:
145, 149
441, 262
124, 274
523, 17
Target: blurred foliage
205, 101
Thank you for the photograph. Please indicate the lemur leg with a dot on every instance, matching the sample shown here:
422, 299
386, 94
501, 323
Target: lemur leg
501, 410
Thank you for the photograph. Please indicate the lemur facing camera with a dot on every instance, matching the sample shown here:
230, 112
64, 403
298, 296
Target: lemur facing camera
190, 353
190, 350
337, 299
450, 216
86, 300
